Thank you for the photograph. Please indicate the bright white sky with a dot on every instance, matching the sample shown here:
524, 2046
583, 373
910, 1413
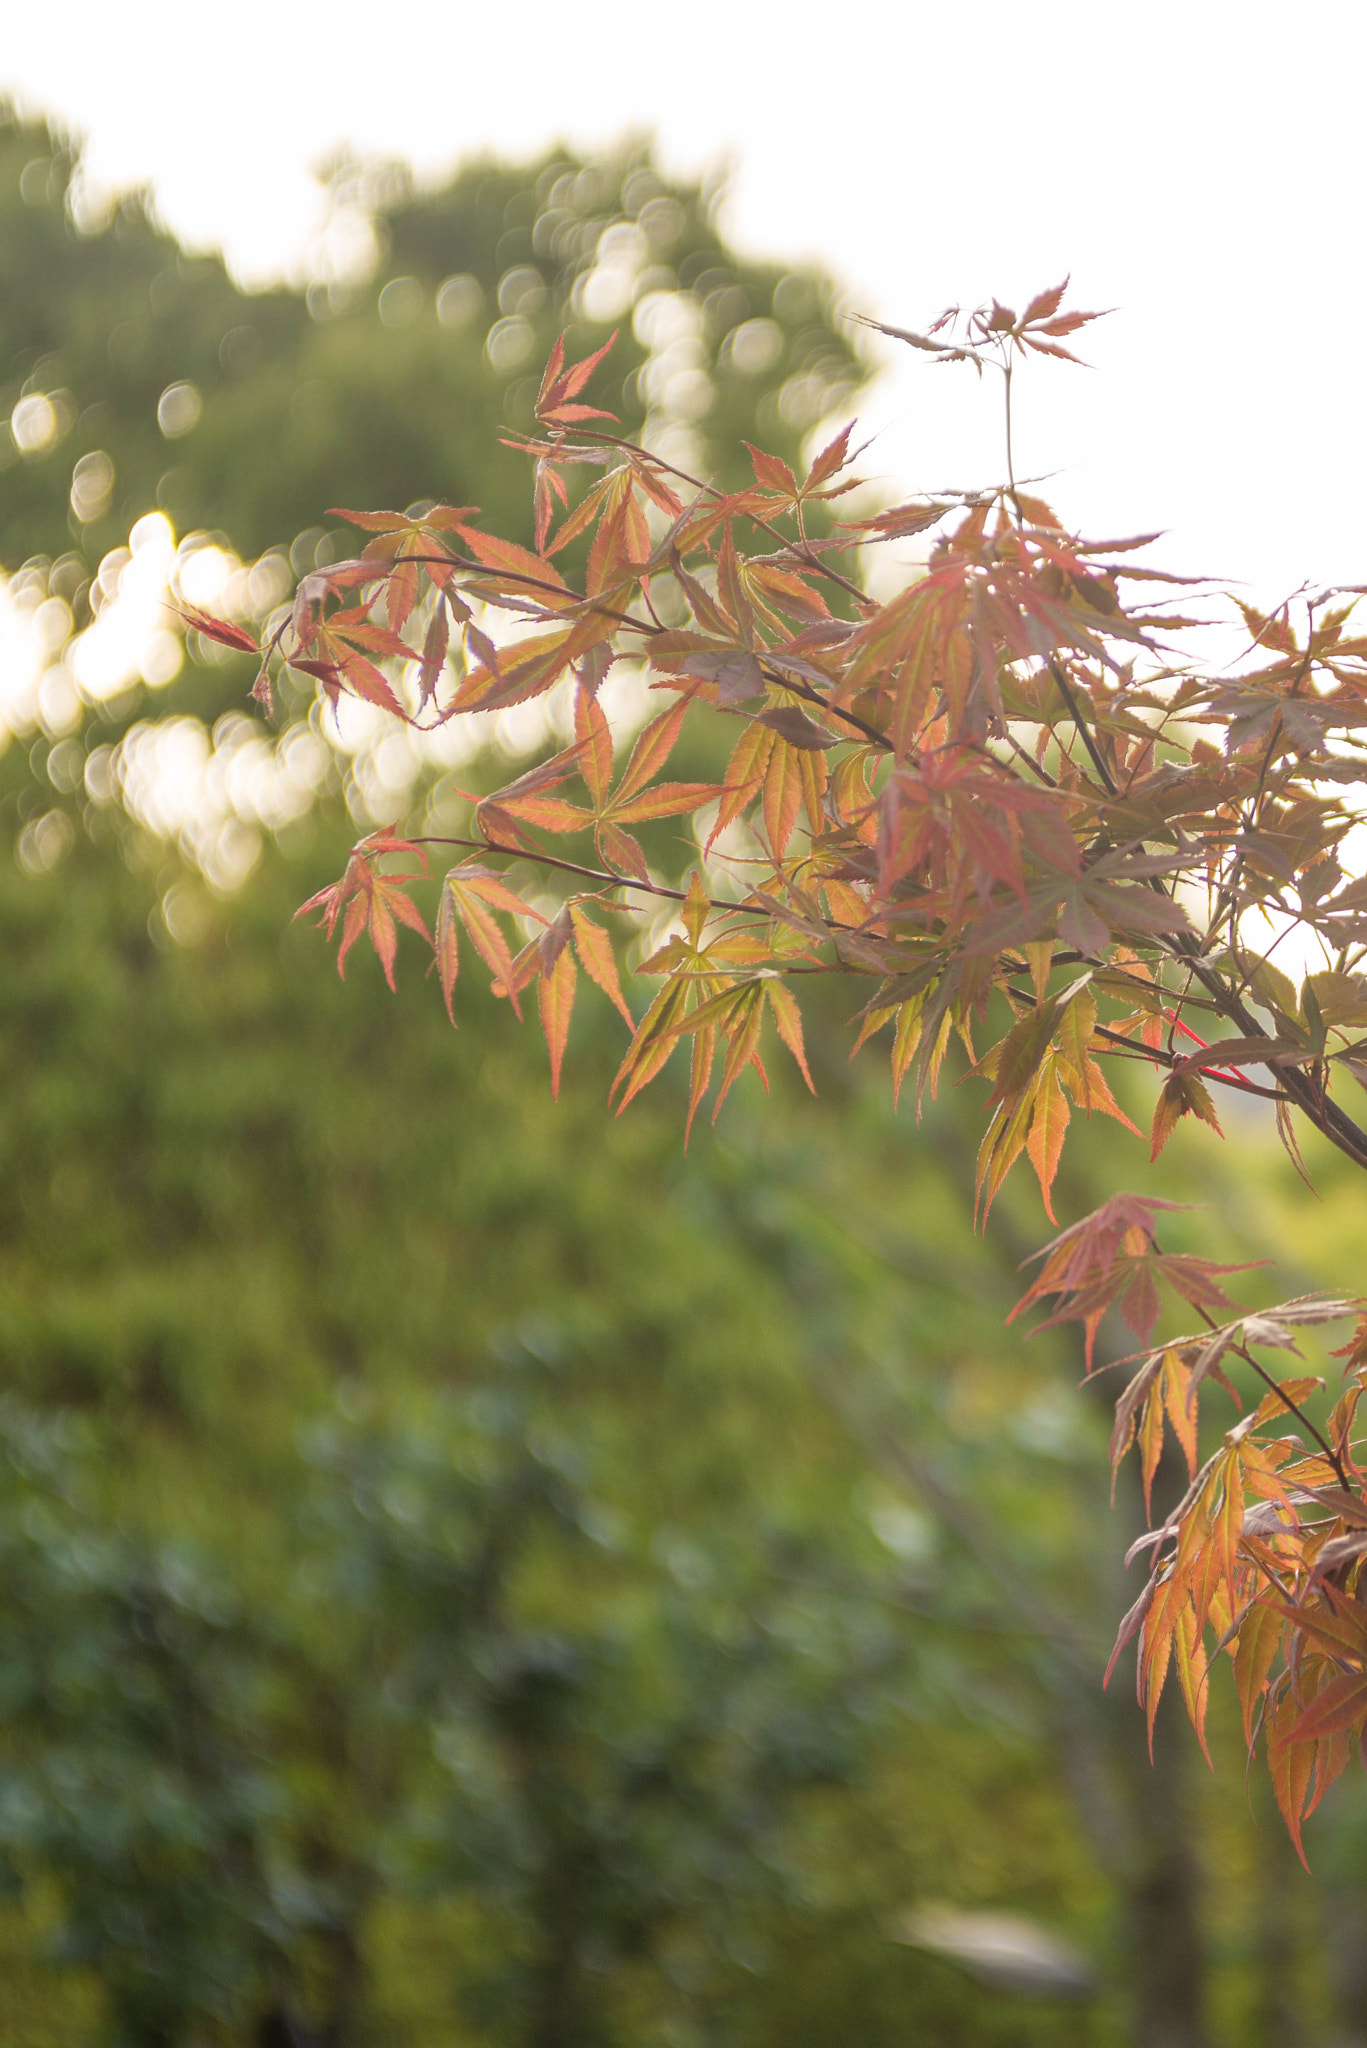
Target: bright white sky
1197, 166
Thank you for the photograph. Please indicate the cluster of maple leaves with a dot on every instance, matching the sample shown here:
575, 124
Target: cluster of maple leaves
1002, 802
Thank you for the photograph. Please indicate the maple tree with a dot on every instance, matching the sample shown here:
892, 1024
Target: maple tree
1013, 803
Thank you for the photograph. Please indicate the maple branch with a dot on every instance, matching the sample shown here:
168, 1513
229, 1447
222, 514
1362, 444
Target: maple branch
802, 553
1332, 1122
569, 867
587, 606
1074, 712
851, 718
1030, 598
1329, 1120
1225, 906
1010, 464
1023, 754
1242, 1351
574, 867
1159, 1056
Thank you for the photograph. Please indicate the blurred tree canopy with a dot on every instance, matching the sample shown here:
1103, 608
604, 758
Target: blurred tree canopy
471, 1573
246, 412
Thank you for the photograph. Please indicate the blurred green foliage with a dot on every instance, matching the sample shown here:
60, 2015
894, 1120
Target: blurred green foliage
382, 387
469, 1572
426, 1550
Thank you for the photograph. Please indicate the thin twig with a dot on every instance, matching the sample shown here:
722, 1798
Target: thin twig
1241, 1351
1065, 691
571, 867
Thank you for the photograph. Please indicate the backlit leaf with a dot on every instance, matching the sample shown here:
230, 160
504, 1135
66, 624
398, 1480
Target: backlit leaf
594, 947
555, 1001
788, 1018
1048, 1126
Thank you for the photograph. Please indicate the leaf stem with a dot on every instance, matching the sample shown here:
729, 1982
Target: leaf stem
803, 551
1075, 713
1242, 1351
573, 867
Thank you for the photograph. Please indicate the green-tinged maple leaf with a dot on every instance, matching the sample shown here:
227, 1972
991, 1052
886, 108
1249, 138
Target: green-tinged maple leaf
741, 1028
470, 893
1182, 1094
655, 1038
1190, 1659
555, 1001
